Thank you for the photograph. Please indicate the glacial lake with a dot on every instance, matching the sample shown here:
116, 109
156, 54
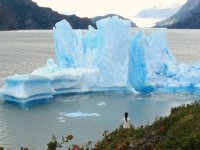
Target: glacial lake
23, 51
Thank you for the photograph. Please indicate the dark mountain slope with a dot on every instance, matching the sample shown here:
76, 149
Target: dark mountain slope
25, 14
187, 17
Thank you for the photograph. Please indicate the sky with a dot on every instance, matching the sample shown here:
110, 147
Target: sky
125, 8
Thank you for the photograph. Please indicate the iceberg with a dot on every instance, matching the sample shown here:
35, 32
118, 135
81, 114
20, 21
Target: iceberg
107, 59
26, 90
101, 104
80, 114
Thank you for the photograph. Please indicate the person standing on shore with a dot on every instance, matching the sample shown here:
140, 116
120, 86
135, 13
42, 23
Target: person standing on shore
126, 121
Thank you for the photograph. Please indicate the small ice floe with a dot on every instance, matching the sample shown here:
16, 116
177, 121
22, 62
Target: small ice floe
134, 91
101, 104
80, 114
61, 121
60, 118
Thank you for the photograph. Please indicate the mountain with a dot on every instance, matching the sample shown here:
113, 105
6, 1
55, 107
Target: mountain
26, 14
95, 19
187, 17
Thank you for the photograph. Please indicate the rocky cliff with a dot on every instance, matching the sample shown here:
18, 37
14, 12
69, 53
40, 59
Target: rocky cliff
187, 17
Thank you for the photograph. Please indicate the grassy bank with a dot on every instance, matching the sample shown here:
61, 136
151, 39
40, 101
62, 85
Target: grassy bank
180, 130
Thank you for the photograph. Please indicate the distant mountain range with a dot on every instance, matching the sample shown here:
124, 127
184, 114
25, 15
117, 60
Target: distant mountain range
95, 19
187, 17
26, 14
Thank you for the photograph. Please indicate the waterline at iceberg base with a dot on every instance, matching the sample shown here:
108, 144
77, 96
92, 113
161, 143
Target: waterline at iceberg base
107, 59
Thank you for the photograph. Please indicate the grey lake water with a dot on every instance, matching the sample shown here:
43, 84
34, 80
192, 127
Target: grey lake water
23, 51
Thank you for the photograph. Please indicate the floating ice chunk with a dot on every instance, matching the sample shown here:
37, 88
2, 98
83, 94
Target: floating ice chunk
101, 104
108, 58
62, 121
80, 114
26, 86
26, 90
134, 91
61, 118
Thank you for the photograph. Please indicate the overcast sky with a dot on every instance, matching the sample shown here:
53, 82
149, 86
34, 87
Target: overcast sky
126, 8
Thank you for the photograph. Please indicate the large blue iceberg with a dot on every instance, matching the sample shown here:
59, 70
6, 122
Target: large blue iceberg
109, 58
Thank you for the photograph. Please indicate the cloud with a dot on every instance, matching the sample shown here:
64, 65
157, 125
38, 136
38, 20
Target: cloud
157, 13
145, 22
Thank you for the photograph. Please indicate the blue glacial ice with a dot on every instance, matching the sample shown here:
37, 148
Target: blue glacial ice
80, 114
109, 58
101, 104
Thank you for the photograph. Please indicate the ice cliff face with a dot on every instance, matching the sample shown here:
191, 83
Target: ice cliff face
123, 59
108, 58
106, 49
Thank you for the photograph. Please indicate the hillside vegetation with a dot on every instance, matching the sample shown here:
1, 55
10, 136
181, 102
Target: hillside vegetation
179, 131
